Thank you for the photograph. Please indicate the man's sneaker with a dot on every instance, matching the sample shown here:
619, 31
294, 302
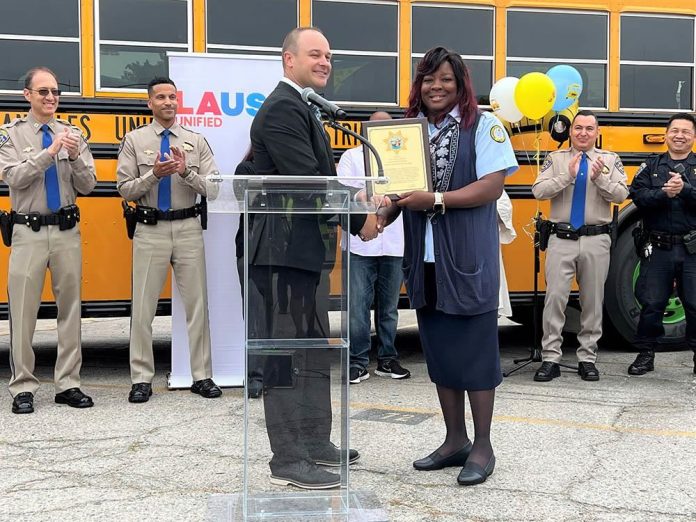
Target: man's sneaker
392, 369
358, 374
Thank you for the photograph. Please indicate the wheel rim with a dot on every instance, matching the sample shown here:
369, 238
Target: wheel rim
674, 313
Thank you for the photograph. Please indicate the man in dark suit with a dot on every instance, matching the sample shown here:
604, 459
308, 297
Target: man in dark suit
290, 257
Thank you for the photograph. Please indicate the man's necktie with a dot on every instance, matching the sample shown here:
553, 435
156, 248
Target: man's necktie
164, 194
316, 111
577, 210
51, 175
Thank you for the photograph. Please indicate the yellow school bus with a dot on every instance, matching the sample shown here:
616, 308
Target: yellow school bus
636, 58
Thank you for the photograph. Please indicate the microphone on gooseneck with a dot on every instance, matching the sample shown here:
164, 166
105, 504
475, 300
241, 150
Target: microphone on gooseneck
330, 108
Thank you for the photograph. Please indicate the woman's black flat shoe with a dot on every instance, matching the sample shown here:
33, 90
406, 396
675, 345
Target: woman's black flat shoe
472, 474
436, 461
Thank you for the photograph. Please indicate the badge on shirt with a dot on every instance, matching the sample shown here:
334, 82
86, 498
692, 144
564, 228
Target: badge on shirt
27, 149
498, 133
149, 152
187, 146
4, 137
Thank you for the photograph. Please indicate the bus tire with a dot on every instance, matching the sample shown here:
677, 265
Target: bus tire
621, 310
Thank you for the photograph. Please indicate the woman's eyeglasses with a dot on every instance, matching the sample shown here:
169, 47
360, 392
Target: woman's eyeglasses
44, 92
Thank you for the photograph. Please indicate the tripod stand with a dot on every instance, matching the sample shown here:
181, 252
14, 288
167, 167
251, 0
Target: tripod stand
535, 349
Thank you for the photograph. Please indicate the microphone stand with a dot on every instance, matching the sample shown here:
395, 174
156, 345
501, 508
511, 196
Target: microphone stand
380, 168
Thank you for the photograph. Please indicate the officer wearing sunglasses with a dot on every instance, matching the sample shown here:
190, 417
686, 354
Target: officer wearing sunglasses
46, 162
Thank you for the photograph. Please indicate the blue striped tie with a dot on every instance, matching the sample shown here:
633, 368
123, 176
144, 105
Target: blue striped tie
577, 209
164, 194
51, 175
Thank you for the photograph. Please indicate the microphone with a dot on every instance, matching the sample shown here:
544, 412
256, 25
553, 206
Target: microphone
333, 110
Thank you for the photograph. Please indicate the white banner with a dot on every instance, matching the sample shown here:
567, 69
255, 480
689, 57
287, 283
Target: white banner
218, 96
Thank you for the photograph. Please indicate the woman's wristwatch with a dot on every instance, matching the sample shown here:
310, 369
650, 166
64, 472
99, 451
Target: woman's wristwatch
439, 205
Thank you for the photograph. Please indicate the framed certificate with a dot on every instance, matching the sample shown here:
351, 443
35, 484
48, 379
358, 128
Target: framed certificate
404, 149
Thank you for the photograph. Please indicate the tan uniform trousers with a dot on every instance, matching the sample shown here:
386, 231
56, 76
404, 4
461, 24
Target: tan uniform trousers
155, 247
32, 253
588, 260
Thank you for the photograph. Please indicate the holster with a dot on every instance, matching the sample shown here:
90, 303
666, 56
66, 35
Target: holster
129, 216
202, 209
690, 242
544, 228
641, 239
614, 227
6, 227
69, 216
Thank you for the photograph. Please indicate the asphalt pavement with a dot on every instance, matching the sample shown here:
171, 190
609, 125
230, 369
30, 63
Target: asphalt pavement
621, 449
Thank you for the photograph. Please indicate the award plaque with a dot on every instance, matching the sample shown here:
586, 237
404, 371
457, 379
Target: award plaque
404, 149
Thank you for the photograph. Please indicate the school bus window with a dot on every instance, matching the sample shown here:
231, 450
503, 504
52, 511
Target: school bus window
539, 39
133, 37
369, 79
125, 67
465, 30
364, 41
52, 40
59, 18
228, 23
657, 72
481, 75
594, 79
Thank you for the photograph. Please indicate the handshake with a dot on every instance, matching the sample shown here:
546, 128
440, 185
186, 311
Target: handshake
375, 223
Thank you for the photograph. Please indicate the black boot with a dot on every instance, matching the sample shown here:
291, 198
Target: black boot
644, 363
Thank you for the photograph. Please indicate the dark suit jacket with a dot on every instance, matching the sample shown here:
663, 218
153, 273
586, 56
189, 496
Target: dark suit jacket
287, 139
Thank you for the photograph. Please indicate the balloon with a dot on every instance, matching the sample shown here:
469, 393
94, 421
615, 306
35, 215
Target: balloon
534, 95
568, 83
503, 99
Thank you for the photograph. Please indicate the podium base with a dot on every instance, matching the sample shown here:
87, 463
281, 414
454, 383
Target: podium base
357, 506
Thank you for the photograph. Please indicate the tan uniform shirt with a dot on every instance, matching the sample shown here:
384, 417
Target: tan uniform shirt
136, 180
557, 184
23, 163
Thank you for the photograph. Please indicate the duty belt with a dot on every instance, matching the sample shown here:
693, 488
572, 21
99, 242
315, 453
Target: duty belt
663, 238
66, 218
151, 215
566, 230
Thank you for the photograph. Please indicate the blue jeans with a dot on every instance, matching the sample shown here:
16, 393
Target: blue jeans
367, 274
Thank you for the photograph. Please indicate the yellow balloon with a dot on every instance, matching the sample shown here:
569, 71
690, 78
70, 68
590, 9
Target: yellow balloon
535, 95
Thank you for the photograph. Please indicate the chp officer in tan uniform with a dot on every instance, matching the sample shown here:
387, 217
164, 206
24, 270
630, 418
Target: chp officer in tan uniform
162, 167
582, 182
46, 162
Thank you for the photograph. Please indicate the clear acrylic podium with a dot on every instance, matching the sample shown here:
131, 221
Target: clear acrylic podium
294, 269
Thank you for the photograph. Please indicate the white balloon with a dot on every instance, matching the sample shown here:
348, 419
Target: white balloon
502, 98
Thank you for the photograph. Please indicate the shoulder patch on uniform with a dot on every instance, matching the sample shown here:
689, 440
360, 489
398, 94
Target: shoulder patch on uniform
120, 147
642, 167
547, 163
4, 136
618, 165
498, 134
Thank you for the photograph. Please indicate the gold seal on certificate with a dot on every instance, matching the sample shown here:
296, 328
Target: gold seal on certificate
405, 153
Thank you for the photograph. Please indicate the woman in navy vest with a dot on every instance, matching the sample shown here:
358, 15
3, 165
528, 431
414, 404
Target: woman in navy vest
451, 262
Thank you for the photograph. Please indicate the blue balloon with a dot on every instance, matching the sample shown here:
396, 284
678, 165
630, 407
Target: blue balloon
568, 83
